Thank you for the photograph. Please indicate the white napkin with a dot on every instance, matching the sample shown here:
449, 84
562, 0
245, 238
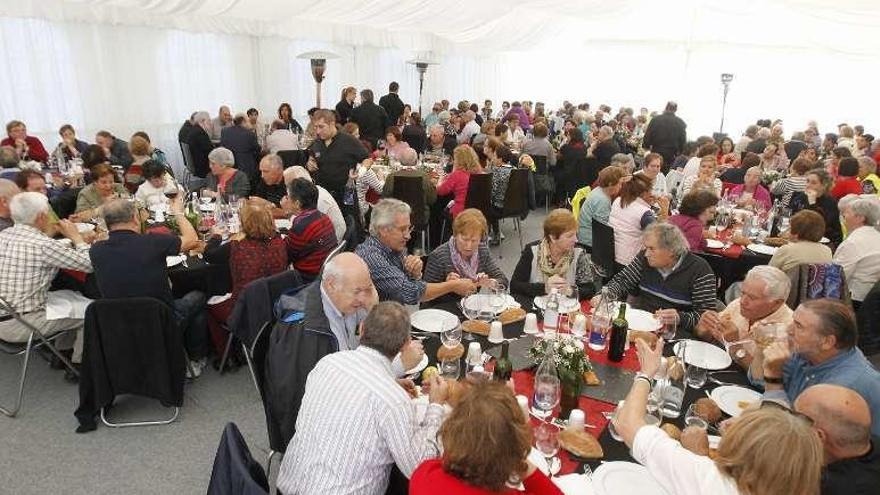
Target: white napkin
62, 304
574, 484
219, 299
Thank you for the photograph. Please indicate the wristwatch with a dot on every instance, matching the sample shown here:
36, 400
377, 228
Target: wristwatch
645, 377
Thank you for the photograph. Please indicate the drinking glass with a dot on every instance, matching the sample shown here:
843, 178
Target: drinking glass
451, 337
498, 297
579, 330
691, 418
450, 369
547, 393
654, 406
696, 376
611, 429
669, 329
574, 294
471, 312
547, 443
205, 195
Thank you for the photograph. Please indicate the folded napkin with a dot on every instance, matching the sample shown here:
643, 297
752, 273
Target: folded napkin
62, 304
574, 484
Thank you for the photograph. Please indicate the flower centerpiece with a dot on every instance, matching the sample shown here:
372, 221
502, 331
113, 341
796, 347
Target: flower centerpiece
571, 363
770, 176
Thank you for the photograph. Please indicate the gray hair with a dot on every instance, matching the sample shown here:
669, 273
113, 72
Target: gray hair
222, 156
201, 116
296, 172
384, 214
8, 189
868, 162
408, 157
436, 127
777, 282
118, 211
669, 237
8, 157
470, 115
623, 160
444, 116
274, 160
867, 208
27, 206
386, 328
763, 133
845, 201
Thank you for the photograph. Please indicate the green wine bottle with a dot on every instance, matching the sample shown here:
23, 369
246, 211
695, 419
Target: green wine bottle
503, 366
619, 330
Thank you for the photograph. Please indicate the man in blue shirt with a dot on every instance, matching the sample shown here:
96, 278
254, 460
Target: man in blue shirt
821, 348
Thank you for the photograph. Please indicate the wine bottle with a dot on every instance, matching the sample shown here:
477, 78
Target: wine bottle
551, 314
503, 366
619, 329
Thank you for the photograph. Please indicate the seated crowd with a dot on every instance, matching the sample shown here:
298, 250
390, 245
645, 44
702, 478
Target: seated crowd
636, 175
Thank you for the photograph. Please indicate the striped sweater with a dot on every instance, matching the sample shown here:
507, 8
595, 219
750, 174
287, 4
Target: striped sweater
310, 239
689, 288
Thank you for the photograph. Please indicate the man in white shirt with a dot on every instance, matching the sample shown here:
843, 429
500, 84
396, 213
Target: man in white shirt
326, 204
281, 138
221, 121
858, 254
470, 128
356, 421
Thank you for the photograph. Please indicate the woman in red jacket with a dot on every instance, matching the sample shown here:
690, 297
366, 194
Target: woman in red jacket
486, 440
847, 181
464, 163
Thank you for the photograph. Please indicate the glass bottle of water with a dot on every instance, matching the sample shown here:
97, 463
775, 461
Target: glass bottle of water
551, 314
548, 389
601, 322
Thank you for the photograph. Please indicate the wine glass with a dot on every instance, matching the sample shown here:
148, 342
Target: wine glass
471, 311
547, 394
547, 443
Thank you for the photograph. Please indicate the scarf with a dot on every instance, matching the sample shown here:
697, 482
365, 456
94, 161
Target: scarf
467, 269
545, 264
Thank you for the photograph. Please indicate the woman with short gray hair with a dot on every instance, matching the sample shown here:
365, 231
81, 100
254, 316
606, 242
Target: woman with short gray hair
224, 178
858, 254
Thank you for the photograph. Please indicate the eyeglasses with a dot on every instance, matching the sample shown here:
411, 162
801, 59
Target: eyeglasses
405, 229
771, 404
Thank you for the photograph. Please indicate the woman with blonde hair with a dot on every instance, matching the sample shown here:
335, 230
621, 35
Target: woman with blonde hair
705, 178
486, 442
464, 163
346, 104
748, 460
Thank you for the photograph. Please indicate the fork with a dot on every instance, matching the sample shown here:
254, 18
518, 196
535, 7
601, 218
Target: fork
588, 471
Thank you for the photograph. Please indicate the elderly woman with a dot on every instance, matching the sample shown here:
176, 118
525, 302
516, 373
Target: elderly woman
257, 252
539, 145
687, 281
70, 146
816, 197
604, 147
224, 178
554, 262
486, 443
652, 168
311, 236
597, 206
694, 212
465, 255
858, 253
807, 229
464, 163
747, 460
394, 143
157, 181
630, 213
795, 182
103, 189
705, 178
868, 175
751, 193
847, 181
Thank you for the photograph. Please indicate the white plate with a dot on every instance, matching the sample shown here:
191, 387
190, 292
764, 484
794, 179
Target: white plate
282, 223
704, 355
714, 244
479, 302
728, 398
625, 478
174, 260
824, 240
82, 228
566, 304
762, 249
433, 320
642, 321
419, 367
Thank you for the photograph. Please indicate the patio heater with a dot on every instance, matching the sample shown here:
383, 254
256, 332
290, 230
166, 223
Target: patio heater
318, 61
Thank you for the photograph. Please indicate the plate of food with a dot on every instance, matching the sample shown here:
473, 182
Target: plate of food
566, 304
419, 367
433, 320
702, 354
733, 399
714, 244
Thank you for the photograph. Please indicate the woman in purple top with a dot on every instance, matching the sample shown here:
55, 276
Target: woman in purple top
751, 193
695, 211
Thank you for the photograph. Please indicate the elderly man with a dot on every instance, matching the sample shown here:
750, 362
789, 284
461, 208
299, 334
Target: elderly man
604, 147
437, 142
242, 141
115, 149
336, 155
26, 147
220, 122
666, 134
270, 186
326, 204
8, 189
858, 254
224, 177
821, 348
131, 264
200, 144
764, 292
843, 420
673, 283
356, 421
29, 261
372, 119
398, 277
469, 129
392, 103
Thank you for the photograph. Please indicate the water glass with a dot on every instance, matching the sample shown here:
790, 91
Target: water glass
547, 442
579, 327
451, 337
547, 394
611, 430
669, 329
691, 418
450, 369
498, 297
696, 376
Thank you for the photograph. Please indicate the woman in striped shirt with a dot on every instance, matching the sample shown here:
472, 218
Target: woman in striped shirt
795, 182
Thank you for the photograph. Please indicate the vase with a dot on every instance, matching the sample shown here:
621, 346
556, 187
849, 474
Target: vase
571, 391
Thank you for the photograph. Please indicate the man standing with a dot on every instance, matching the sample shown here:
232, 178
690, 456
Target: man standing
243, 144
200, 144
372, 119
666, 134
8, 189
357, 421
843, 420
116, 150
131, 264
27, 147
221, 121
398, 277
392, 104
335, 155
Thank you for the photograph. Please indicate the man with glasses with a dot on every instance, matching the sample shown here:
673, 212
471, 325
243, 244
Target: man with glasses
397, 276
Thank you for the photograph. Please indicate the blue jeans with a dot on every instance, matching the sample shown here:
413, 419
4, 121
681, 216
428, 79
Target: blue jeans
191, 316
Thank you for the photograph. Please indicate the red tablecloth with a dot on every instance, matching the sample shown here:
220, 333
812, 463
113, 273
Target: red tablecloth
734, 251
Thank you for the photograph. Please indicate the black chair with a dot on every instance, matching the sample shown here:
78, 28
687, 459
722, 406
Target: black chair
516, 203
603, 251
188, 165
258, 351
36, 339
291, 158
868, 317
545, 186
235, 471
411, 190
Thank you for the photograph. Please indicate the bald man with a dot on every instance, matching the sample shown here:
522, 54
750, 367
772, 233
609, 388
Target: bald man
843, 420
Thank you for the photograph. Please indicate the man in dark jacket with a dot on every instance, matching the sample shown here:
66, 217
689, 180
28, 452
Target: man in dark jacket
666, 135
185, 129
243, 144
392, 104
200, 144
370, 118
115, 148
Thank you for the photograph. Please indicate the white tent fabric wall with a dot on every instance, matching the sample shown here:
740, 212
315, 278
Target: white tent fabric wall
127, 65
